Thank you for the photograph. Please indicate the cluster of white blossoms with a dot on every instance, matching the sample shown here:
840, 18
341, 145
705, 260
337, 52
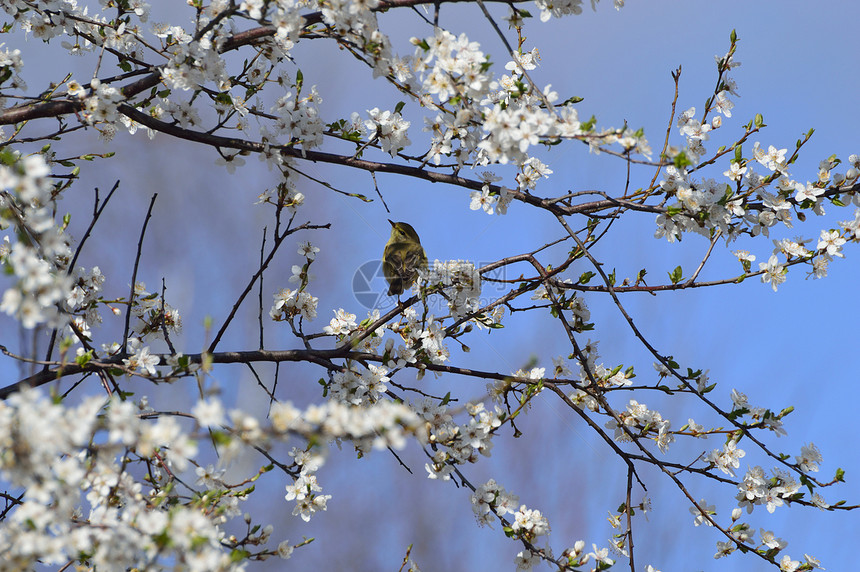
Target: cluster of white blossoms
298, 119
492, 498
193, 64
42, 284
11, 63
728, 459
457, 444
367, 385
101, 104
640, 421
154, 315
342, 324
491, 202
291, 303
758, 415
389, 129
560, 8
421, 339
757, 488
511, 129
491, 120
83, 299
768, 542
481, 120
378, 426
81, 500
746, 205
450, 67
491, 501
460, 282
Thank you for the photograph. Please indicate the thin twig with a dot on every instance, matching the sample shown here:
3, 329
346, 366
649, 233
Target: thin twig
125, 330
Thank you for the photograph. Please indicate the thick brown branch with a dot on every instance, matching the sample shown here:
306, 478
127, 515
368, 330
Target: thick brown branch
349, 161
321, 357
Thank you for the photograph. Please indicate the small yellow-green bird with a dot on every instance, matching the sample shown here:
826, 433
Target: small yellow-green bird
402, 258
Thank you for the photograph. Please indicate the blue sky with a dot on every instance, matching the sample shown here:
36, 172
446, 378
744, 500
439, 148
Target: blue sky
796, 347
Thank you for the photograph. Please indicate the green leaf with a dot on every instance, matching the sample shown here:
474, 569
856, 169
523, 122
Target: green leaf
571, 100
676, 275
680, 160
588, 125
239, 555
84, 358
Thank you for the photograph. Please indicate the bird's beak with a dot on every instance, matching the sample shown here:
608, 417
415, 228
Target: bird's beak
392, 223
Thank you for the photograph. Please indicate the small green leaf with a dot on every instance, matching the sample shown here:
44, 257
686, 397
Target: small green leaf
681, 160
84, 358
585, 277
239, 555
